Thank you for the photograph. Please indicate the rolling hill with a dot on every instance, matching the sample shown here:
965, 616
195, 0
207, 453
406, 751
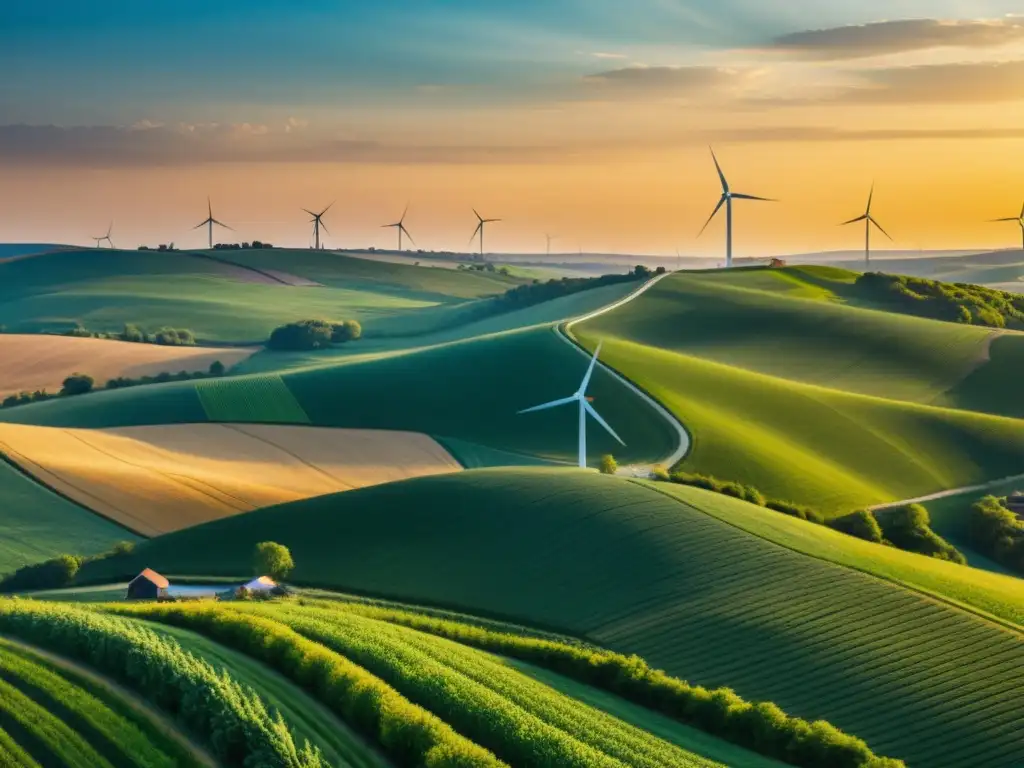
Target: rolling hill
787, 389
691, 592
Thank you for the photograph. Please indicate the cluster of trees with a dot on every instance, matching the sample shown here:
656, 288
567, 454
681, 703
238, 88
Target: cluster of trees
58, 572
81, 383
166, 337
907, 528
313, 334
254, 245
537, 292
231, 720
162, 247
997, 532
953, 302
486, 266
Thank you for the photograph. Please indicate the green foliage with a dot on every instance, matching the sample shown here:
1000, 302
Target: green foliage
77, 384
909, 528
609, 466
250, 399
307, 335
861, 524
217, 368
273, 560
25, 398
347, 330
997, 532
534, 293
56, 573
953, 302
232, 721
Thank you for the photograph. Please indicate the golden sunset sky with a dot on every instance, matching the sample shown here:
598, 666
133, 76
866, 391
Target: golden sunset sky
587, 120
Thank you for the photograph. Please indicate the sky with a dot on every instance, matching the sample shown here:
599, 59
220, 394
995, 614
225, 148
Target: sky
587, 120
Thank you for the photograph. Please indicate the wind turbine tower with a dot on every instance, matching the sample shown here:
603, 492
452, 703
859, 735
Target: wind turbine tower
106, 237
549, 239
317, 222
400, 226
1019, 220
583, 402
726, 199
868, 220
210, 221
480, 231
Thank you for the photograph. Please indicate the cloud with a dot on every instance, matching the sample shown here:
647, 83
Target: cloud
637, 81
939, 84
606, 55
888, 37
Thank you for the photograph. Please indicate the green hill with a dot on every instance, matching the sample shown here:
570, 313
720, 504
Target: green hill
37, 524
632, 569
813, 401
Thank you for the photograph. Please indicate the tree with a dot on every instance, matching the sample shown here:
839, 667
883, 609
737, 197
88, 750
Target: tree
77, 384
216, 368
608, 465
347, 330
303, 335
273, 560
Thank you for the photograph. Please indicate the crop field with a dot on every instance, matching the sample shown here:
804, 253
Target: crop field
156, 479
694, 595
34, 362
250, 399
51, 714
37, 524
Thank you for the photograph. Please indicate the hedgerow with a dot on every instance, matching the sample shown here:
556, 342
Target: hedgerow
997, 532
231, 720
952, 302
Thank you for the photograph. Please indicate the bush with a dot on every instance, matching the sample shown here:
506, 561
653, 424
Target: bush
302, 336
861, 524
77, 384
217, 368
173, 337
997, 532
795, 510
347, 330
133, 334
57, 573
273, 560
909, 528
609, 466
953, 302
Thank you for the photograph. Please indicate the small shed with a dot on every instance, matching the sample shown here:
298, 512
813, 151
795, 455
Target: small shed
148, 585
263, 585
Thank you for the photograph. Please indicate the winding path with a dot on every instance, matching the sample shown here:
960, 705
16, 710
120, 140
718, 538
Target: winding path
564, 332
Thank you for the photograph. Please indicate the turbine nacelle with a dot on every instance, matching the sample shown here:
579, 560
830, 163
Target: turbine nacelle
726, 200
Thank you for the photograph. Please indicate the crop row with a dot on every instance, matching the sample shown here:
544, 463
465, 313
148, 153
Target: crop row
761, 727
233, 721
113, 736
12, 755
251, 399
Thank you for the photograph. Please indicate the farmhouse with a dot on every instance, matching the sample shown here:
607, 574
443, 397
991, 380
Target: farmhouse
148, 585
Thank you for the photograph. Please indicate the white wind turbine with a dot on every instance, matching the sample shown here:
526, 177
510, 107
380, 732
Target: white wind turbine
585, 407
726, 199
868, 220
1017, 220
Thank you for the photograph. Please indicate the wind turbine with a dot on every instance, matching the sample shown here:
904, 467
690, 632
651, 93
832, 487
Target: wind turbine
727, 197
868, 220
549, 239
480, 230
210, 221
106, 237
317, 222
585, 407
1019, 220
400, 226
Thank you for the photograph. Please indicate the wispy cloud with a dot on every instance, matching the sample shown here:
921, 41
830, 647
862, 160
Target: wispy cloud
646, 82
939, 84
889, 37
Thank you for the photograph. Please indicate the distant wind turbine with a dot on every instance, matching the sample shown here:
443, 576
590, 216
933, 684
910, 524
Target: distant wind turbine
480, 230
210, 221
317, 222
1019, 220
727, 197
868, 220
585, 407
106, 237
400, 226
549, 239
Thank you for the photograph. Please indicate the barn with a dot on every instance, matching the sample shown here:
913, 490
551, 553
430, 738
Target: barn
148, 585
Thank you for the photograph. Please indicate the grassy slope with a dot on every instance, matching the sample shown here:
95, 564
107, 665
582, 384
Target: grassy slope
36, 524
813, 444
470, 391
689, 592
105, 289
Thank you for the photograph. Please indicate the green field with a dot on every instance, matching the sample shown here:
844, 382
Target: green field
53, 715
693, 594
813, 401
37, 524
252, 399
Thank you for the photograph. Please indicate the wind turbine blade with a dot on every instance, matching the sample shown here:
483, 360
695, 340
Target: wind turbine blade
110, 229
597, 417
476, 231
553, 404
478, 215
404, 214
325, 210
880, 228
999, 220
324, 228
222, 224
738, 196
854, 221
488, 221
209, 206
590, 371
714, 213
871, 196
408, 235
721, 175
306, 210
202, 224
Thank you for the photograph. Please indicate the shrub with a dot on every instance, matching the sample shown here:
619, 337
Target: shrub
609, 466
995, 531
77, 384
909, 528
217, 368
273, 560
302, 335
133, 333
795, 510
56, 573
861, 524
347, 330
173, 337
